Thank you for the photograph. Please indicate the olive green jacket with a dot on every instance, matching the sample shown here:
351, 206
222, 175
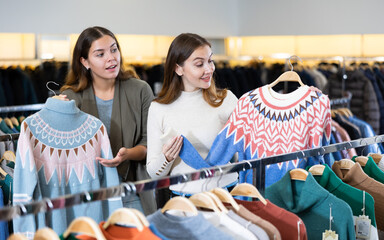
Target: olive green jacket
131, 101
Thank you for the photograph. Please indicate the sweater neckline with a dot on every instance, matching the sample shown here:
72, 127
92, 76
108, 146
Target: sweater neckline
191, 94
60, 106
281, 101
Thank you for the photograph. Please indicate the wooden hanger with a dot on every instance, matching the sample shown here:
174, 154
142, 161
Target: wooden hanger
17, 236
219, 203
84, 225
141, 217
45, 234
124, 216
226, 197
346, 163
181, 204
9, 123
9, 156
288, 76
248, 190
376, 157
298, 174
203, 200
317, 169
15, 121
362, 160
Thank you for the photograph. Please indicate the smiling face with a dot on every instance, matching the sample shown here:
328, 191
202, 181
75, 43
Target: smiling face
103, 59
196, 72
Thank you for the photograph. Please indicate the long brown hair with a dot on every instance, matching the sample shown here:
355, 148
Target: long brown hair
181, 48
79, 77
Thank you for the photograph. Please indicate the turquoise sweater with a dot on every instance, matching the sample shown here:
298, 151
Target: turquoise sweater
56, 156
308, 200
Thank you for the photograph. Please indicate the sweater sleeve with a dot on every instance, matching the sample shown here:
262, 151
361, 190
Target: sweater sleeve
229, 141
25, 183
157, 164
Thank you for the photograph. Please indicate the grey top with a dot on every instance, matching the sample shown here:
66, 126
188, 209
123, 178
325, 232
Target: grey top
104, 108
185, 228
256, 230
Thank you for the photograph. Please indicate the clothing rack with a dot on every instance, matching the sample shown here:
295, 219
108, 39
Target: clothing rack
9, 137
22, 108
344, 101
45, 205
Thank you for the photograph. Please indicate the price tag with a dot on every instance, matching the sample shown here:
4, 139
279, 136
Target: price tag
363, 227
330, 235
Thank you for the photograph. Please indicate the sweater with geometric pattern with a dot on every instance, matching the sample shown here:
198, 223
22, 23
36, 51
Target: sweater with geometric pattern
265, 123
56, 156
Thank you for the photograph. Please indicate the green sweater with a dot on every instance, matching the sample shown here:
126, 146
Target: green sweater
308, 200
351, 195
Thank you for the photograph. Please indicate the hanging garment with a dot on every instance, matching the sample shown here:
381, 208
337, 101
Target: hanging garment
352, 196
312, 204
56, 156
266, 123
229, 226
372, 170
269, 228
364, 102
356, 177
117, 232
345, 138
256, 230
188, 228
290, 226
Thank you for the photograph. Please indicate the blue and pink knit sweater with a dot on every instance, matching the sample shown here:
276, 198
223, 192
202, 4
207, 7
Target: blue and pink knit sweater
56, 156
265, 123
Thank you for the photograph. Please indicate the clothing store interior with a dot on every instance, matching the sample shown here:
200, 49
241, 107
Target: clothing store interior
293, 149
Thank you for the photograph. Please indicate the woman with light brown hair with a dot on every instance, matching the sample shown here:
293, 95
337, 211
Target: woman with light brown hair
188, 104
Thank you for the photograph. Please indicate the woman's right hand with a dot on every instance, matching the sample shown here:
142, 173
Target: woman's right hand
172, 148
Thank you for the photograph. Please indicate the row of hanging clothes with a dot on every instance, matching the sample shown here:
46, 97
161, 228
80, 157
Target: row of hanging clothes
296, 207
22, 85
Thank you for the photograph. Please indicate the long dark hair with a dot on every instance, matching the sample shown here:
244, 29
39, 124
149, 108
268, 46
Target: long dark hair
79, 77
181, 48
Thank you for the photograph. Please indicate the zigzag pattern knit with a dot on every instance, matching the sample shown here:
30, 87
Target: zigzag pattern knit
265, 123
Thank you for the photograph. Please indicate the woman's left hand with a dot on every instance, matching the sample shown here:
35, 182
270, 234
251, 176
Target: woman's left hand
312, 88
121, 156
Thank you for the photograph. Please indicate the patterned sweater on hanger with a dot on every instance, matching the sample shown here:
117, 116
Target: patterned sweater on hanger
265, 123
56, 156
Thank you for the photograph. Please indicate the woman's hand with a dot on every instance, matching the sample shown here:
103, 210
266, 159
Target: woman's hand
61, 97
172, 148
121, 156
312, 88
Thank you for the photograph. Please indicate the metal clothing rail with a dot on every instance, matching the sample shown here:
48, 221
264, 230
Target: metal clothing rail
9, 137
22, 108
45, 205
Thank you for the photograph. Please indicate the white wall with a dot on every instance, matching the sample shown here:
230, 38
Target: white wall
310, 17
210, 18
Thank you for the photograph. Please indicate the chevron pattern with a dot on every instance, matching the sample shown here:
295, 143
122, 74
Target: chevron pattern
83, 145
268, 129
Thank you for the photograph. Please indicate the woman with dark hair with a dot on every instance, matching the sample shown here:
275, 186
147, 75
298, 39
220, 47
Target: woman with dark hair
101, 87
188, 104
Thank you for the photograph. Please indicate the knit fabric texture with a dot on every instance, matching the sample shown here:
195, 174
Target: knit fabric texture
185, 228
308, 200
56, 156
266, 123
